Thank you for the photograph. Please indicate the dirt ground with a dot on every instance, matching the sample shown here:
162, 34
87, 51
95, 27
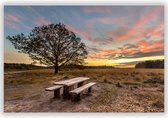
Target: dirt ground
117, 90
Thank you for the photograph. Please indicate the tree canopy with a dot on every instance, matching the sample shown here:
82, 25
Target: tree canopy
52, 45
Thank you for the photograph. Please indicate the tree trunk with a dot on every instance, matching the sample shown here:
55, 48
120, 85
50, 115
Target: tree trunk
56, 69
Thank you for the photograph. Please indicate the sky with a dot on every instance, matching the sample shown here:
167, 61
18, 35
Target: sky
119, 36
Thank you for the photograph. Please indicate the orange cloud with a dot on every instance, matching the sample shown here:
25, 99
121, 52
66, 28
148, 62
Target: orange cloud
140, 47
151, 47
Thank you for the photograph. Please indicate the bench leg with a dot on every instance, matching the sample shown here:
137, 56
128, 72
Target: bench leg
78, 97
80, 84
57, 93
89, 90
75, 97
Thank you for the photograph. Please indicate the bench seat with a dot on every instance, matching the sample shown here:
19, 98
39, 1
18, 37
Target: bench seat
75, 94
56, 90
53, 88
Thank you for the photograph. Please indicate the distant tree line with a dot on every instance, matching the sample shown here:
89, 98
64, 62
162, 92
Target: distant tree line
21, 66
99, 67
76, 66
151, 64
16, 66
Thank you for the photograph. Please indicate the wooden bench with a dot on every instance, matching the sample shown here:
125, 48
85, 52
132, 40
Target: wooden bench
76, 93
56, 90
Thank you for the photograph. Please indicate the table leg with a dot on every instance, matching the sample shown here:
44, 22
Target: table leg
80, 84
66, 92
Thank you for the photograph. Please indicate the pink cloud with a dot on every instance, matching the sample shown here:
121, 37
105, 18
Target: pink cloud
148, 17
137, 31
39, 19
85, 34
11, 17
151, 47
88, 35
97, 9
11, 20
111, 20
15, 21
106, 20
158, 30
11, 25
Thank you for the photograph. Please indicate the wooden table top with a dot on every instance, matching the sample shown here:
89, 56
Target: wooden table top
72, 81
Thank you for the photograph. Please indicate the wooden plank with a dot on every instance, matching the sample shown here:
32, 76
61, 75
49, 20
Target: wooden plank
76, 81
72, 81
65, 81
53, 88
82, 88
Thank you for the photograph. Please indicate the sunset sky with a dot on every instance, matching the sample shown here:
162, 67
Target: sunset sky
118, 36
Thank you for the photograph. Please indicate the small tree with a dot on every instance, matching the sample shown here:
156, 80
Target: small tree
52, 45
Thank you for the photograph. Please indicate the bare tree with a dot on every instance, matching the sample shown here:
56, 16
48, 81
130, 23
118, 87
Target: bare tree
52, 45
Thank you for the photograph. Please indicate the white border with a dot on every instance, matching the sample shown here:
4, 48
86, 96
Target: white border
76, 2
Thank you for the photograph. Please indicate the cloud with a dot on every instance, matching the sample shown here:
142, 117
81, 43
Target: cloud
97, 9
11, 25
85, 34
147, 54
110, 20
120, 21
138, 31
157, 31
92, 49
15, 21
39, 19
129, 46
140, 49
89, 36
89, 33
11, 17
11, 20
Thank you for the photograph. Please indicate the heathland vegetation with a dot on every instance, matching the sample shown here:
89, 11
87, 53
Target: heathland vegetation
117, 90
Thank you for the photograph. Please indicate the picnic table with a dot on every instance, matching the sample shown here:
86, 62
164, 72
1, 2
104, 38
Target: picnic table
70, 84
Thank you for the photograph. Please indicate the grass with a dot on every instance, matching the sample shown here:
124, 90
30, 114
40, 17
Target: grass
28, 84
40, 76
108, 95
